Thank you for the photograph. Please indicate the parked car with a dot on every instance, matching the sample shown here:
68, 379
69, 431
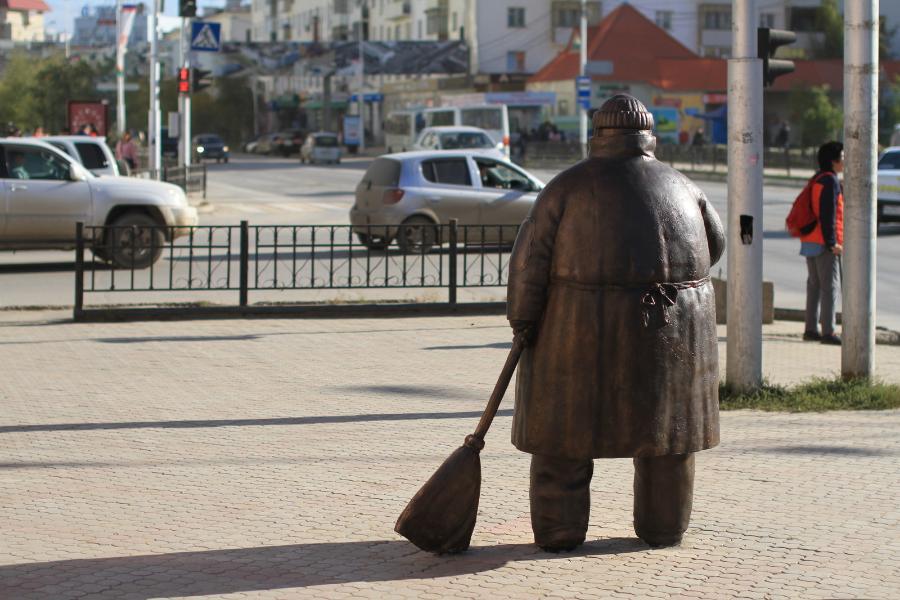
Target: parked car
406, 196
208, 146
45, 192
288, 142
265, 143
889, 185
457, 137
92, 152
321, 147
250, 145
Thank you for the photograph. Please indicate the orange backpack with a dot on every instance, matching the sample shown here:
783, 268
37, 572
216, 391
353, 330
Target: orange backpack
802, 220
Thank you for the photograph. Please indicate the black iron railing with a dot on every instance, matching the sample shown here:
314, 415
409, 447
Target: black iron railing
246, 258
191, 178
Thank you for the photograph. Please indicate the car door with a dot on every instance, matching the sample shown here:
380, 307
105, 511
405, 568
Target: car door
889, 184
506, 196
43, 203
450, 194
4, 194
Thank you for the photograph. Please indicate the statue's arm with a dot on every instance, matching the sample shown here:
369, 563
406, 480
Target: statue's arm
715, 234
529, 265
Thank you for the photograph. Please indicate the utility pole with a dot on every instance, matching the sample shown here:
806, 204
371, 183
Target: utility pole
744, 230
582, 110
154, 126
860, 176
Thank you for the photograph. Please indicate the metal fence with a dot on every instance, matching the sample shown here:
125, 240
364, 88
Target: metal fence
191, 178
246, 258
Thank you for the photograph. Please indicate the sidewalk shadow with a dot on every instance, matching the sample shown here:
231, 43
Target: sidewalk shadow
214, 572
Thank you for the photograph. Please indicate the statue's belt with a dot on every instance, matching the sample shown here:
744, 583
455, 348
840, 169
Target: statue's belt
653, 295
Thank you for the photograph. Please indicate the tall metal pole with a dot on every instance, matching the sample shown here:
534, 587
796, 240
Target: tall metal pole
860, 203
583, 122
744, 231
186, 148
154, 126
120, 73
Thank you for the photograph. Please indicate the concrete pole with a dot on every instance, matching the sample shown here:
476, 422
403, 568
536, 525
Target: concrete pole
860, 192
745, 227
583, 121
154, 126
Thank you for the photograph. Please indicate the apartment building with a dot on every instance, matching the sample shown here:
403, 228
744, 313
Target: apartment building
22, 20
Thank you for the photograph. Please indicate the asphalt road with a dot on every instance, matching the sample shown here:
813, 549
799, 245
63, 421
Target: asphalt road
267, 191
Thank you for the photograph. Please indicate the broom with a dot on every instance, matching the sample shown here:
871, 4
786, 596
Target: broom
441, 516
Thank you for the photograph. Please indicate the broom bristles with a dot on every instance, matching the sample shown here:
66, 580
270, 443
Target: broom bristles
441, 516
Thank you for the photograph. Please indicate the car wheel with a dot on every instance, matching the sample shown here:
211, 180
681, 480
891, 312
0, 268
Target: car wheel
101, 253
135, 240
373, 242
417, 235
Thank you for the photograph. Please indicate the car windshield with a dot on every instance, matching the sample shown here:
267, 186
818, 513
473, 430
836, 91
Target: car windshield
326, 141
451, 141
209, 139
890, 160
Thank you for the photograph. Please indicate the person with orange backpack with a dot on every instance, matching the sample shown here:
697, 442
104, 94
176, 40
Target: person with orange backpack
823, 244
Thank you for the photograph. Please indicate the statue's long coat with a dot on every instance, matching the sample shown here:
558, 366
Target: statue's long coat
606, 376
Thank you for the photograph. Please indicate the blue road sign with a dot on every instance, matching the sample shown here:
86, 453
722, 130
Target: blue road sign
583, 88
205, 36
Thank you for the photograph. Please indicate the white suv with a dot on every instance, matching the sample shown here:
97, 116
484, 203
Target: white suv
44, 193
889, 185
92, 152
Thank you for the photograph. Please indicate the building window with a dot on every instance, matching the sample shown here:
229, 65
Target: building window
397, 32
718, 19
515, 62
664, 19
515, 17
567, 13
453, 22
419, 28
766, 20
409, 31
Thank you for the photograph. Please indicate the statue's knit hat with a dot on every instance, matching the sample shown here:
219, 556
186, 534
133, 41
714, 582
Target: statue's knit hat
623, 112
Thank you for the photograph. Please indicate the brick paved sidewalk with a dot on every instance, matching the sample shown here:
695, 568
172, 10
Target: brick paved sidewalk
270, 458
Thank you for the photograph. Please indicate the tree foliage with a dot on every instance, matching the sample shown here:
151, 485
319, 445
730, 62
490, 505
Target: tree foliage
830, 22
820, 119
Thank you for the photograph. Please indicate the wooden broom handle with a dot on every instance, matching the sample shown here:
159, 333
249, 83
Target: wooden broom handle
500, 388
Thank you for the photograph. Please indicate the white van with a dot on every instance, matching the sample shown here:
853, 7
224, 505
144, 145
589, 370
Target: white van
401, 129
493, 118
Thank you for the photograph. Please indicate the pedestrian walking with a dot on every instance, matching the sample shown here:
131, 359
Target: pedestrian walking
609, 282
824, 245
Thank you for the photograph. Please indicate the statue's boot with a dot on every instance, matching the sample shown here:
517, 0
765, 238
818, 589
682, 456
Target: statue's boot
560, 501
663, 496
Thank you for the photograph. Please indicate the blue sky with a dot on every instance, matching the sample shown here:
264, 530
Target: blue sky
63, 12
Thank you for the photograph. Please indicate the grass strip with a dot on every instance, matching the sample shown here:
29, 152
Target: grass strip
814, 396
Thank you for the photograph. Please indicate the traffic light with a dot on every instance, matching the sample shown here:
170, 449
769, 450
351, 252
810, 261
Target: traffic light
187, 8
199, 79
767, 43
184, 81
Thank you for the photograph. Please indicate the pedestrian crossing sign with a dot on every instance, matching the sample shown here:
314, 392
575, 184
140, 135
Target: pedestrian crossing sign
205, 36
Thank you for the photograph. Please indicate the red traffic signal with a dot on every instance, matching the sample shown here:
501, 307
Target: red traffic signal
184, 81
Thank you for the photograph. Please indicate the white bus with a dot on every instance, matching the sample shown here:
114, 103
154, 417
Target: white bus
401, 129
493, 118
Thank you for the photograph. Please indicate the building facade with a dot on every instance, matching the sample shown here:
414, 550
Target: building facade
22, 20
98, 28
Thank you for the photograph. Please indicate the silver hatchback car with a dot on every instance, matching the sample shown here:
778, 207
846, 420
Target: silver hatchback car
407, 196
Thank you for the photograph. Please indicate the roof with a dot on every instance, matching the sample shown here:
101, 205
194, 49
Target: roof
455, 129
38, 5
613, 39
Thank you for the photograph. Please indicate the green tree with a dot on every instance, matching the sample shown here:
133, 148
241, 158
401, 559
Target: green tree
18, 79
820, 119
56, 81
830, 22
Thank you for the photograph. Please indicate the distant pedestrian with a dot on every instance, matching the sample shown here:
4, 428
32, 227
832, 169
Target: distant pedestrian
783, 138
698, 139
823, 246
127, 151
38, 132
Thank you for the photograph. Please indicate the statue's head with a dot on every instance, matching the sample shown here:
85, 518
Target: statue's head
622, 114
